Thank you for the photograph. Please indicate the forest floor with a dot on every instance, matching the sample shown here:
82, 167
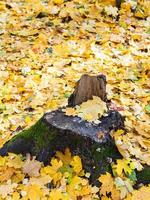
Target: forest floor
45, 47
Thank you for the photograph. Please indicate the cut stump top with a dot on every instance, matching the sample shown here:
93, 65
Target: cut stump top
75, 125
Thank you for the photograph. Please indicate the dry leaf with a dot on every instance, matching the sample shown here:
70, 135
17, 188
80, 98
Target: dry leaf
7, 174
32, 167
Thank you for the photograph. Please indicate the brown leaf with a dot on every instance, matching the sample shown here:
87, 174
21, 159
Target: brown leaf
31, 167
7, 174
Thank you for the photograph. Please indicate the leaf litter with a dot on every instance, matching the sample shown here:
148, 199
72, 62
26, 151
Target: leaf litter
45, 46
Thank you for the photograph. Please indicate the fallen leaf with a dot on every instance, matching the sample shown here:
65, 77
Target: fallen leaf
7, 174
31, 167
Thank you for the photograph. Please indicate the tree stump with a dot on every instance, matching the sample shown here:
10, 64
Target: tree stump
56, 131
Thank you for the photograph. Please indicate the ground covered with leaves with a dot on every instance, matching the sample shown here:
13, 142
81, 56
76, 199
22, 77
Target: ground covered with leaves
45, 47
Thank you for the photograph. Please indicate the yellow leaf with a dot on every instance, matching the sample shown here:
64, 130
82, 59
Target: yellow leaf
33, 192
66, 157
14, 160
108, 186
107, 2
13, 127
15, 196
78, 187
28, 119
61, 50
58, 1
7, 174
142, 194
70, 111
90, 110
41, 40
119, 132
17, 177
52, 104
76, 164
41, 181
21, 89
56, 194
52, 170
107, 183
2, 161
123, 166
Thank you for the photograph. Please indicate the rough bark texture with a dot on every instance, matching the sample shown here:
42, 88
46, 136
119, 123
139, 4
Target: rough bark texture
86, 88
56, 131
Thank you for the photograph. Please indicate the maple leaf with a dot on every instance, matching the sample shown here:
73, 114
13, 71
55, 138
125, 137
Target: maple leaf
31, 167
78, 187
14, 160
90, 110
41, 181
110, 10
142, 194
107, 183
7, 174
76, 164
53, 170
108, 186
70, 111
17, 177
125, 186
33, 192
66, 157
125, 166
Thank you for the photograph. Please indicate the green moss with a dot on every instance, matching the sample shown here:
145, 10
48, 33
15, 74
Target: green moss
144, 175
103, 155
39, 134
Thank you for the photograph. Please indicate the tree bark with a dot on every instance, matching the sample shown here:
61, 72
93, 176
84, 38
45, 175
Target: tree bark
86, 88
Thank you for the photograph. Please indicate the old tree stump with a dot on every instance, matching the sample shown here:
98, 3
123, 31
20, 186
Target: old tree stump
56, 131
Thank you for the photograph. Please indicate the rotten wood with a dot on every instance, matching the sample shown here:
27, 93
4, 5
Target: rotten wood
86, 88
